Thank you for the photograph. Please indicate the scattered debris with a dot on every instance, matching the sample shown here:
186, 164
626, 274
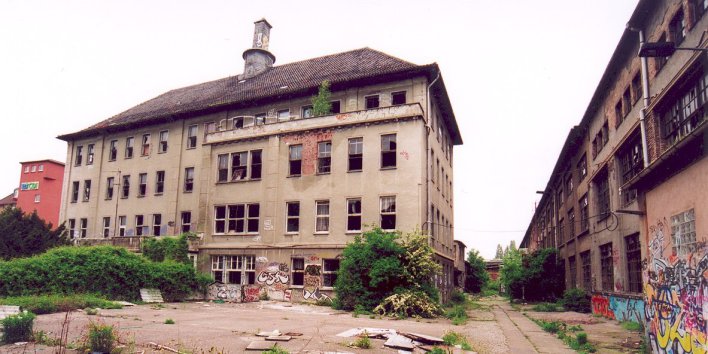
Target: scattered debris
293, 334
370, 332
398, 341
124, 303
274, 333
151, 295
7, 310
279, 338
162, 347
426, 339
260, 345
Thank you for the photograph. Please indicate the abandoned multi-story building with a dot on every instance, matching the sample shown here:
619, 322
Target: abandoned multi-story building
627, 201
273, 191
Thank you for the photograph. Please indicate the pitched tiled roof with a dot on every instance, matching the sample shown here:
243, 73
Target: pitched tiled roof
9, 200
356, 67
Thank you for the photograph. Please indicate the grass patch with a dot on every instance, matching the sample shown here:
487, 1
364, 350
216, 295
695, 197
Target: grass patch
548, 307
43, 304
452, 339
276, 350
570, 335
632, 326
17, 328
457, 314
363, 342
169, 321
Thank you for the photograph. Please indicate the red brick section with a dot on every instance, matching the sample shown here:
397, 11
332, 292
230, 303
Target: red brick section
48, 188
309, 142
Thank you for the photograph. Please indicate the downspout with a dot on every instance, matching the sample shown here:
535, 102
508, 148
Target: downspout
428, 128
645, 96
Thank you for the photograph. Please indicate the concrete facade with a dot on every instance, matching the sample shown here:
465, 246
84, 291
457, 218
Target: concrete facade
272, 192
626, 203
40, 189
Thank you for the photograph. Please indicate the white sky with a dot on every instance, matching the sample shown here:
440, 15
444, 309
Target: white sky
519, 74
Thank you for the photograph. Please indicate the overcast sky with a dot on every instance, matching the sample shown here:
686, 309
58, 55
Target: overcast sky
519, 74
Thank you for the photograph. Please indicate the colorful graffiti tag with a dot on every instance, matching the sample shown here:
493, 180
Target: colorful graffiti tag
226, 292
676, 296
618, 308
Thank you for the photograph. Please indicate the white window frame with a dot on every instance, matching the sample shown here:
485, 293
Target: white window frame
324, 229
192, 132
289, 217
122, 221
106, 226
164, 136
385, 211
351, 214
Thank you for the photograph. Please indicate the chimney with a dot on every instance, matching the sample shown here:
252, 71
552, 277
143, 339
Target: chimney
258, 58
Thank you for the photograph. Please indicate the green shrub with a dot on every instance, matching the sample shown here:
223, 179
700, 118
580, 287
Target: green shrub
17, 328
457, 314
551, 327
43, 304
276, 350
363, 342
166, 249
452, 338
169, 321
547, 307
91, 312
108, 271
576, 300
437, 350
408, 304
477, 277
457, 297
101, 338
379, 264
631, 326
26, 234
581, 337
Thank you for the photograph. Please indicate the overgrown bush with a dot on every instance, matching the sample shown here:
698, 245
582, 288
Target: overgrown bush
576, 300
108, 271
167, 248
380, 264
547, 307
477, 278
457, 314
452, 338
101, 338
17, 328
535, 277
321, 103
43, 304
457, 297
23, 235
408, 304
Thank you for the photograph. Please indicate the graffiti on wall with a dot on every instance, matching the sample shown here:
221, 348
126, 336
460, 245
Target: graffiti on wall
313, 280
226, 292
676, 294
618, 308
274, 278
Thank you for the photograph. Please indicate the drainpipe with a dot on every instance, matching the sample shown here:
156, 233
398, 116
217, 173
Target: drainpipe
428, 128
645, 96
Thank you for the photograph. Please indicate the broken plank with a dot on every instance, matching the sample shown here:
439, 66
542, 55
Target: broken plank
279, 338
423, 338
260, 345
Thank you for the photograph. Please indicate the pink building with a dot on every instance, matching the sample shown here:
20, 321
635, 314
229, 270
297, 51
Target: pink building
40, 189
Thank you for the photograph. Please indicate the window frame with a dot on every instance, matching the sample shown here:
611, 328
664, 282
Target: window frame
122, 221
78, 159
372, 102
323, 228
584, 205
162, 146
355, 152
606, 267
142, 185
386, 212
106, 226
389, 151
185, 226
398, 94
110, 181
295, 159
329, 275
160, 182
145, 145
75, 190
129, 147
231, 217
125, 187
87, 190
633, 256
353, 215
324, 157
188, 186
290, 215
156, 224
83, 227
90, 154
192, 133
113, 150
140, 226
297, 272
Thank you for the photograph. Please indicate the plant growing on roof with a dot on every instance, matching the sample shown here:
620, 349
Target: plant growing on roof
321, 104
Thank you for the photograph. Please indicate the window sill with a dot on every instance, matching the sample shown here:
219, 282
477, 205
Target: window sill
291, 234
293, 176
353, 232
85, 201
162, 152
141, 196
128, 157
583, 232
73, 201
235, 234
388, 168
244, 180
354, 171
158, 194
190, 148
321, 233
323, 173
108, 199
185, 191
123, 197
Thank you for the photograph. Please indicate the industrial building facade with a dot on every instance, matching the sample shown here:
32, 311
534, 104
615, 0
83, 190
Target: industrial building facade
273, 191
627, 201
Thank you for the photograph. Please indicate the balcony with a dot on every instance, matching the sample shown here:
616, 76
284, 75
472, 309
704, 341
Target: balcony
238, 128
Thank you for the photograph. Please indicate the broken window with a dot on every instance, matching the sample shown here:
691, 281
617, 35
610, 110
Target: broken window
89, 154
121, 225
295, 160
223, 168
631, 163
388, 212
129, 147
239, 165
687, 112
634, 260
683, 233
106, 226
125, 187
140, 225
677, 28
160, 182
142, 186
256, 164
188, 179
571, 223
335, 107
236, 219
398, 98
146, 145
163, 141
292, 210
330, 267
324, 157
356, 154
606, 267
586, 265
636, 88
298, 271
87, 190
109, 188
371, 101
74, 191
659, 62
354, 215
584, 213
79, 155
283, 114
307, 111
113, 150
83, 225
388, 151
156, 224
186, 221
322, 216
192, 131
573, 272
602, 182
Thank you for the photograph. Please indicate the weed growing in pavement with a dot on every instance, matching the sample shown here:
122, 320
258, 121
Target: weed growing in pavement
548, 307
101, 338
363, 342
43, 304
631, 326
452, 338
169, 321
91, 312
457, 314
42, 337
437, 350
578, 342
276, 350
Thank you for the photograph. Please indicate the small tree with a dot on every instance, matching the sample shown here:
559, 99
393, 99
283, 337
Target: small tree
477, 277
511, 274
23, 235
168, 248
500, 252
321, 104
